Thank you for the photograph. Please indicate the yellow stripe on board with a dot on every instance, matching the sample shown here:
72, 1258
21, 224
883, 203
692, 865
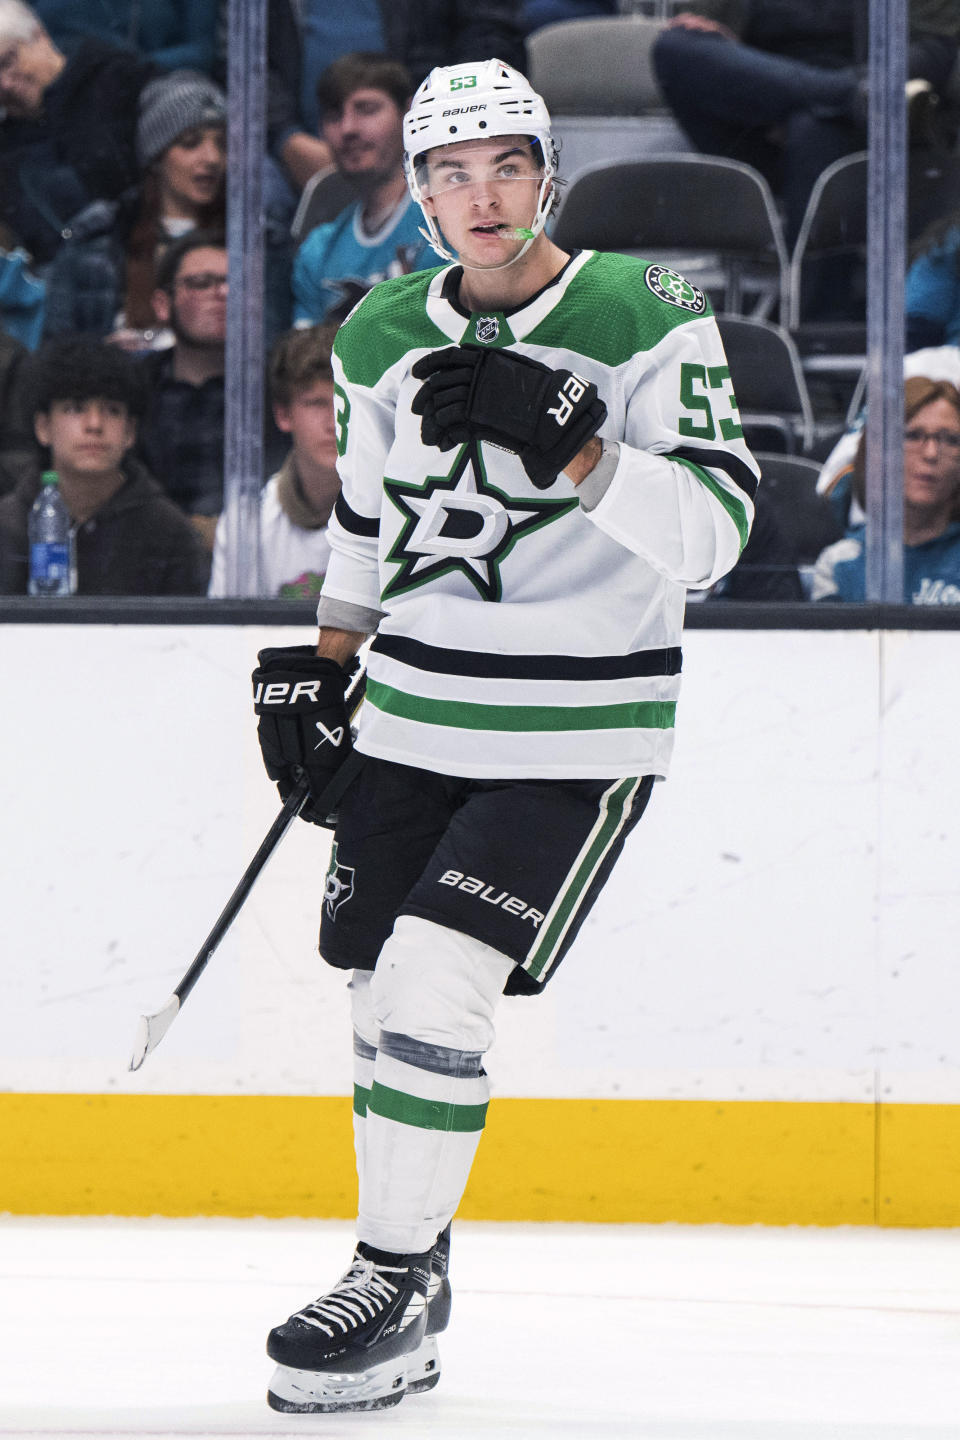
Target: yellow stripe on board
693, 1161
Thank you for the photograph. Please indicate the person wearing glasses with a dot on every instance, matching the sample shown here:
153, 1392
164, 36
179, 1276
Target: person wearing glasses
931, 506
181, 437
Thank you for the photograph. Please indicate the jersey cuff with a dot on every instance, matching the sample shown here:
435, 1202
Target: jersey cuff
594, 486
341, 615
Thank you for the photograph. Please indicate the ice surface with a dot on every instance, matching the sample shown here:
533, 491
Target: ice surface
156, 1328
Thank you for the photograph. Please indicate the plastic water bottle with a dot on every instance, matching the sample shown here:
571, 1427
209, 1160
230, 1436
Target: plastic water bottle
53, 569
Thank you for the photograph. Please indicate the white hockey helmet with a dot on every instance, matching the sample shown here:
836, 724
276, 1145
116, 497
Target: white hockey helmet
475, 101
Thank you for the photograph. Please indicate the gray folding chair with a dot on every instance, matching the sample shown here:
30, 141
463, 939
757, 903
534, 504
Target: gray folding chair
807, 520
599, 84
835, 224
713, 218
324, 196
768, 382
596, 67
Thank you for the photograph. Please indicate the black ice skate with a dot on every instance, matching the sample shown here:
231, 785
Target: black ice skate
350, 1350
423, 1369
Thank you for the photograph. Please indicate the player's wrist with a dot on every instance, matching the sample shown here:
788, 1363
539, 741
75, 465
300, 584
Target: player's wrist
584, 461
340, 646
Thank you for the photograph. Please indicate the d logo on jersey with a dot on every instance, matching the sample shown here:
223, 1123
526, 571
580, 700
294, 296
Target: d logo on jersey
338, 885
458, 523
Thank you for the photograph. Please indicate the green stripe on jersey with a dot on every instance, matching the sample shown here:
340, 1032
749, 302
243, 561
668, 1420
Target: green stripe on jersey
468, 715
390, 320
616, 804
425, 1114
361, 1099
734, 507
609, 314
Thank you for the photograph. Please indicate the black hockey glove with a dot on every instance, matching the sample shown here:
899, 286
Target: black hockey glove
302, 722
544, 416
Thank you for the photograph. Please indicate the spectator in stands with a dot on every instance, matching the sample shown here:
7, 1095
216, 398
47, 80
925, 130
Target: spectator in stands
294, 148
783, 86
297, 501
68, 126
423, 33
23, 295
18, 449
130, 539
417, 35
103, 277
931, 506
932, 299
941, 362
364, 98
181, 435
174, 34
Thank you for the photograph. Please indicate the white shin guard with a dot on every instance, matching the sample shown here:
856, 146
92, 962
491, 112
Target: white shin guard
428, 1013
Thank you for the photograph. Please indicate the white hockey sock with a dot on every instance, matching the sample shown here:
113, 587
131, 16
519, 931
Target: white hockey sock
422, 1132
434, 993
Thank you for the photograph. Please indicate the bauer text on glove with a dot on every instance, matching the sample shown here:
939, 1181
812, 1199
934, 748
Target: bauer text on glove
302, 721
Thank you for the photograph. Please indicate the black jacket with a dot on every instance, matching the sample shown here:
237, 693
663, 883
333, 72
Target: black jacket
18, 448
425, 33
80, 149
138, 543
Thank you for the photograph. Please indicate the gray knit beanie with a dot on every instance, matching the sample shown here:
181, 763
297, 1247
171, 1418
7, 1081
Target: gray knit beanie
171, 104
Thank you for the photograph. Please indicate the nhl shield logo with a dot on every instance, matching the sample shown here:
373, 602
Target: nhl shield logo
338, 885
488, 328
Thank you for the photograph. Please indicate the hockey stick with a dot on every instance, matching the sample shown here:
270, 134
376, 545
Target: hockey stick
152, 1028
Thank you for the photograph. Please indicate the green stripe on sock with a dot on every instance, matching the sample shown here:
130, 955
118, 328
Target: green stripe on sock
466, 715
424, 1114
549, 938
730, 503
361, 1100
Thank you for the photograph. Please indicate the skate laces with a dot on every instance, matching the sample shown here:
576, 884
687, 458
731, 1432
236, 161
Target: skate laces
363, 1294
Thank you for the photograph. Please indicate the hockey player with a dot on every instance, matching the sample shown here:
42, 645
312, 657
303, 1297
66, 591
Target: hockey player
539, 453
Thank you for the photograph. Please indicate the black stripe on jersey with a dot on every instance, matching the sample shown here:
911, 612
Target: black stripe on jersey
442, 661
356, 524
741, 474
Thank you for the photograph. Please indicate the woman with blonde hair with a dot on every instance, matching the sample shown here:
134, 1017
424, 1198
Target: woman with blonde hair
931, 506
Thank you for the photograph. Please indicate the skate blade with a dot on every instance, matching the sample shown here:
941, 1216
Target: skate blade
322, 1392
423, 1367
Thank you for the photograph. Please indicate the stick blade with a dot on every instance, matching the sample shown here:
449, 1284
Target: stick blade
151, 1030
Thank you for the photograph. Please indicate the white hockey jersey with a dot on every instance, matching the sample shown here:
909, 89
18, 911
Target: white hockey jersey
523, 634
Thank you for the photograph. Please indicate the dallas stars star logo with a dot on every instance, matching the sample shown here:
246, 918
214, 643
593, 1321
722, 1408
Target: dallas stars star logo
459, 523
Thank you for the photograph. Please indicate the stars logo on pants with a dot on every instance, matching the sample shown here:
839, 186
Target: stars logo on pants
338, 885
457, 523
